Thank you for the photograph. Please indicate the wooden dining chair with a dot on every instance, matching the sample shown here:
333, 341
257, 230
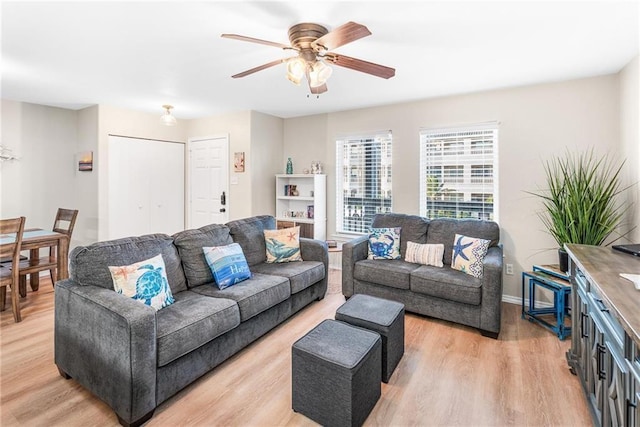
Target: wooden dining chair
64, 223
10, 246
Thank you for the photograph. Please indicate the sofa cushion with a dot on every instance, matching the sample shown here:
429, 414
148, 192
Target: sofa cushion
283, 245
249, 233
228, 264
444, 230
446, 283
144, 281
254, 295
190, 244
414, 228
301, 275
89, 265
190, 322
393, 273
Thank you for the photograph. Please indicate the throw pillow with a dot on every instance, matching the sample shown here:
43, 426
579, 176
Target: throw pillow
468, 254
427, 254
145, 281
283, 245
384, 243
228, 264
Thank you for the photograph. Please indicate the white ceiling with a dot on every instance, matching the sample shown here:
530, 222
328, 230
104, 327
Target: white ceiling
140, 55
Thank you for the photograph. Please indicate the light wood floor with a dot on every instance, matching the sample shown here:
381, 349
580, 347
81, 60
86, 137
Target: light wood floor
450, 375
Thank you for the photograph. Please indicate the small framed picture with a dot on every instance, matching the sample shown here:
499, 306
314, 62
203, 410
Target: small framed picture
85, 161
238, 161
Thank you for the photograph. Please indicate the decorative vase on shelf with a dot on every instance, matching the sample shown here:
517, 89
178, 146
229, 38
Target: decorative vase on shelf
289, 166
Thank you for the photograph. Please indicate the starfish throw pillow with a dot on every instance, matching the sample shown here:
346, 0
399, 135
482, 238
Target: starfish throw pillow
468, 254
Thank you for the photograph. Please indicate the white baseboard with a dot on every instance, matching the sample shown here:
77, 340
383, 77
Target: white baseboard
517, 300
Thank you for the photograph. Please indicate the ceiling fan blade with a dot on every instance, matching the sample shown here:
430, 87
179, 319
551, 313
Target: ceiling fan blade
361, 65
318, 90
342, 35
259, 68
254, 40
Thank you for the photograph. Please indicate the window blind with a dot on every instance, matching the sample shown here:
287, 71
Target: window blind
363, 180
458, 172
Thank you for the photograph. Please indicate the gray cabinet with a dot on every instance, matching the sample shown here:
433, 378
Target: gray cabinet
604, 353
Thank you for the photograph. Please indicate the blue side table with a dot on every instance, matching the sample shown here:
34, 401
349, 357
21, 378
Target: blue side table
550, 278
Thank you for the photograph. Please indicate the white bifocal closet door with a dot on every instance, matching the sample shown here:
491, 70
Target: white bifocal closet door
146, 187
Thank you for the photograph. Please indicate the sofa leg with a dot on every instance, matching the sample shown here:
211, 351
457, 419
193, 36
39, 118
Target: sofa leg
489, 334
63, 374
136, 423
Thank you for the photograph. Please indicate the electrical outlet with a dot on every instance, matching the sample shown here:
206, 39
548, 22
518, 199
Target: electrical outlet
509, 269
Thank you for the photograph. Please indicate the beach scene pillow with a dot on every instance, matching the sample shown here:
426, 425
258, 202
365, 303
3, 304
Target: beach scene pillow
228, 264
384, 243
468, 255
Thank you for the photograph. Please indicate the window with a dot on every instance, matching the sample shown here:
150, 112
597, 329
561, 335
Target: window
363, 180
457, 174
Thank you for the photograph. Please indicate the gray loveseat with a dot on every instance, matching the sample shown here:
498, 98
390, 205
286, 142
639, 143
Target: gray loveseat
443, 293
134, 357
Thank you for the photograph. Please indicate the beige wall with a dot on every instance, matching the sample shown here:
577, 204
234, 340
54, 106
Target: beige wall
629, 79
264, 161
45, 177
536, 122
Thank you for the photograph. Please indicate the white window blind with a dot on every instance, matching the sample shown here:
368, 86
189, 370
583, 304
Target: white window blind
458, 172
363, 180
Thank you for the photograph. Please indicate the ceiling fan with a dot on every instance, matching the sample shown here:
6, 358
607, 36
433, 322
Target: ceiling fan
314, 44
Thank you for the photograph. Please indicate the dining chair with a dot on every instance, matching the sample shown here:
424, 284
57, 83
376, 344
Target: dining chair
64, 223
10, 242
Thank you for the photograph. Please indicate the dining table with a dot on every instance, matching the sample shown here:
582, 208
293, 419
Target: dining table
33, 239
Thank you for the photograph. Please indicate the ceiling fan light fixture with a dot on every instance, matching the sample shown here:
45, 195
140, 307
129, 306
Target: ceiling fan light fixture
295, 70
319, 74
167, 119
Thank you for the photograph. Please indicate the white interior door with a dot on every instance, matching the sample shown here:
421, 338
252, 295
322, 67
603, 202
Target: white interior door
146, 187
208, 181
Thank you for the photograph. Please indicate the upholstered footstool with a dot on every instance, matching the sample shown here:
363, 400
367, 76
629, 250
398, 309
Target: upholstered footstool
336, 373
382, 316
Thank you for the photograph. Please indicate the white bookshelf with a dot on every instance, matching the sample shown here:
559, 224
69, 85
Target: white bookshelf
293, 210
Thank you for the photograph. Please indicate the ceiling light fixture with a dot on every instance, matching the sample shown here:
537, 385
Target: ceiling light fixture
316, 71
167, 118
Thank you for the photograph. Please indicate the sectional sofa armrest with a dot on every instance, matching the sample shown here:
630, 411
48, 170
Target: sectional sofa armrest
492, 290
316, 250
353, 251
107, 342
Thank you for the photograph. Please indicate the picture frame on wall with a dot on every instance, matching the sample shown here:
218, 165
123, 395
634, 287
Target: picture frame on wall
85, 161
238, 161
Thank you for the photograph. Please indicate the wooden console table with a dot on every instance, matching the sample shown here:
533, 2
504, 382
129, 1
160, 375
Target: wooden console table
605, 343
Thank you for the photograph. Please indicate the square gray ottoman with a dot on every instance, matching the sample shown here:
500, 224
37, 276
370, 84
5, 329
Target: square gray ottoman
336, 373
382, 316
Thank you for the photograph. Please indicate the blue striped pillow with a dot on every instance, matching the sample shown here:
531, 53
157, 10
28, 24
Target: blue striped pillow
228, 264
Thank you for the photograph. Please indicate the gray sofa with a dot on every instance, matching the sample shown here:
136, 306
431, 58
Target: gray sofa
443, 293
134, 357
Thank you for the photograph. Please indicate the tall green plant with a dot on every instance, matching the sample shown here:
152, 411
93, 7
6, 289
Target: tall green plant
580, 201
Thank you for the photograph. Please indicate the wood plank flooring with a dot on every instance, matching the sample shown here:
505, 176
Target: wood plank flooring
449, 376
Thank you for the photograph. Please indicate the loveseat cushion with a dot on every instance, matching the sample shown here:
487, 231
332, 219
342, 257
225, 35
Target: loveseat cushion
249, 233
444, 230
394, 273
446, 283
414, 228
190, 244
254, 295
191, 321
301, 275
89, 265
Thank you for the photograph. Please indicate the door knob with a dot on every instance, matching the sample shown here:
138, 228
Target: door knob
223, 210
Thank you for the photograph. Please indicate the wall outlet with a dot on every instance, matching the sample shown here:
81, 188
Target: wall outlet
509, 269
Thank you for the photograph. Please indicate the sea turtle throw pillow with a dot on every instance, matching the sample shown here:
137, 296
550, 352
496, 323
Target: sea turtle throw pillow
283, 245
384, 243
468, 254
145, 281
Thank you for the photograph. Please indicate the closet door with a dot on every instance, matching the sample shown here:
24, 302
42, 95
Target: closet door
146, 187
